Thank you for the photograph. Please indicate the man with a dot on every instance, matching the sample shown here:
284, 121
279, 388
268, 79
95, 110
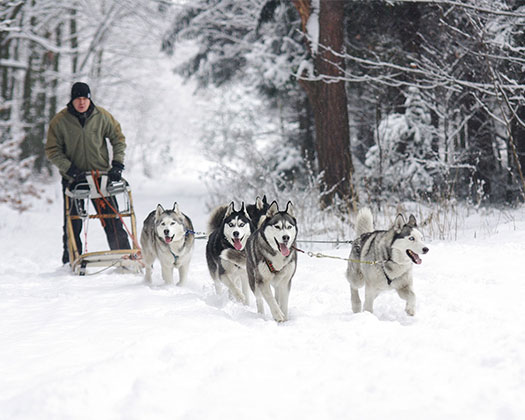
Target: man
76, 143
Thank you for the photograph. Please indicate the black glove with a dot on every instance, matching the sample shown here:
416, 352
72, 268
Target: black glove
115, 173
76, 174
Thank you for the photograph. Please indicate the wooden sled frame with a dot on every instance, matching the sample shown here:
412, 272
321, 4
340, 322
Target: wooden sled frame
126, 258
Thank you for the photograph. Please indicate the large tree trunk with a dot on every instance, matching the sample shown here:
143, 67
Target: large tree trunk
327, 97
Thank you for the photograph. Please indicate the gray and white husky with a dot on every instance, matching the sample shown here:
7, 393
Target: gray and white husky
271, 260
167, 235
382, 260
229, 229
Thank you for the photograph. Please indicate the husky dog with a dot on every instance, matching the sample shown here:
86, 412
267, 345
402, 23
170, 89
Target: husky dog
228, 232
167, 235
382, 260
271, 260
258, 210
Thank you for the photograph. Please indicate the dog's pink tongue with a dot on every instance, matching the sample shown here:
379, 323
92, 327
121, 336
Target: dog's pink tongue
284, 250
237, 244
167, 239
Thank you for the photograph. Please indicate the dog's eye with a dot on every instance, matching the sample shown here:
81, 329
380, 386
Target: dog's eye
411, 238
241, 224
231, 224
277, 227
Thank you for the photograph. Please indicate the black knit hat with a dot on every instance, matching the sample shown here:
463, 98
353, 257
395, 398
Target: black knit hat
80, 90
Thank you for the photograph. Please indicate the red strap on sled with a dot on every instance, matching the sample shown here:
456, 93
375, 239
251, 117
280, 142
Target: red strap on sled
95, 175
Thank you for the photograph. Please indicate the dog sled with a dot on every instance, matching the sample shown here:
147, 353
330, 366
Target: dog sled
97, 186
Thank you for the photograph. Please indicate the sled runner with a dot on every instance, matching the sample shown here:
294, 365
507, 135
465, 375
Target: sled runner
105, 193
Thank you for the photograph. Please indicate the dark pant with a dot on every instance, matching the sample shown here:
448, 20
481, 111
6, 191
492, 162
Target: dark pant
115, 233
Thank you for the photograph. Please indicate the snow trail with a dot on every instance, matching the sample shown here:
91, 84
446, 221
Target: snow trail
109, 347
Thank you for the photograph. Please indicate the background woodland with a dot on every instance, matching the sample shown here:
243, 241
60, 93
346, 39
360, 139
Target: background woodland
350, 101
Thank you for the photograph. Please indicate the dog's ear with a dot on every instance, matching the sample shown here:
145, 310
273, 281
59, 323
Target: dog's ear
259, 204
243, 210
290, 209
230, 209
272, 210
176, 208
159, 211
399, 223
412, 221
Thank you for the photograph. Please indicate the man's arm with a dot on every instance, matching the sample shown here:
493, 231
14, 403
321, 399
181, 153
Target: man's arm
116, 138
54, 148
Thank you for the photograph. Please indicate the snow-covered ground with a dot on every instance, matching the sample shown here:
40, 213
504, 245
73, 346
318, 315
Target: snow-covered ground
109, 347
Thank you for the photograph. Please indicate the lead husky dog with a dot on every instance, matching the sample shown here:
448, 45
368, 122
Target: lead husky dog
167, 235
271, 260
228, 232
382, 260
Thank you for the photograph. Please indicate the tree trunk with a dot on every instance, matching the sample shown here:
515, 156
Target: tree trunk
327, 96
74, 40
518, 134
481, 155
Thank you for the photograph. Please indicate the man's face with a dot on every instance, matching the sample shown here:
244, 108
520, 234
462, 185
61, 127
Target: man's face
81, 104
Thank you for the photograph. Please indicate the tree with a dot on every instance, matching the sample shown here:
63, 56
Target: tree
41, 52
403, 161
465, 60
257, 42
323, 25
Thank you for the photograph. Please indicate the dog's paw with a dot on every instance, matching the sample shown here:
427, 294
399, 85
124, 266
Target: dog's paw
410, 311
279, 316
239, 296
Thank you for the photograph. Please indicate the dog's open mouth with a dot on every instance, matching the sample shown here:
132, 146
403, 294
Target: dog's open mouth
237, 244
414, 257
168, 239
283, 247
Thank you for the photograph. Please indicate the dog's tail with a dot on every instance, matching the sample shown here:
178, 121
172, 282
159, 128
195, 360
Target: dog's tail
364, 222
216, 218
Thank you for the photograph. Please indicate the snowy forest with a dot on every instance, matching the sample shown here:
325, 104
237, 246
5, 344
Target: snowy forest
358, 101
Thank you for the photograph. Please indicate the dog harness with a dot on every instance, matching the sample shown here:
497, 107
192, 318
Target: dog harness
388, 279
175, 256
270, 266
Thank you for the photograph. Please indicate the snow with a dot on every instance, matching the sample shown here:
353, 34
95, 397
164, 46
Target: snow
312, 26
109, 347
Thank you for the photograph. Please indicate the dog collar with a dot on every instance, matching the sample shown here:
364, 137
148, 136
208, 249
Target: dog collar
270, 266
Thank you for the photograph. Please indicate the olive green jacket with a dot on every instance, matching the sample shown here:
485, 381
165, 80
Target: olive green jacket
68, 142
